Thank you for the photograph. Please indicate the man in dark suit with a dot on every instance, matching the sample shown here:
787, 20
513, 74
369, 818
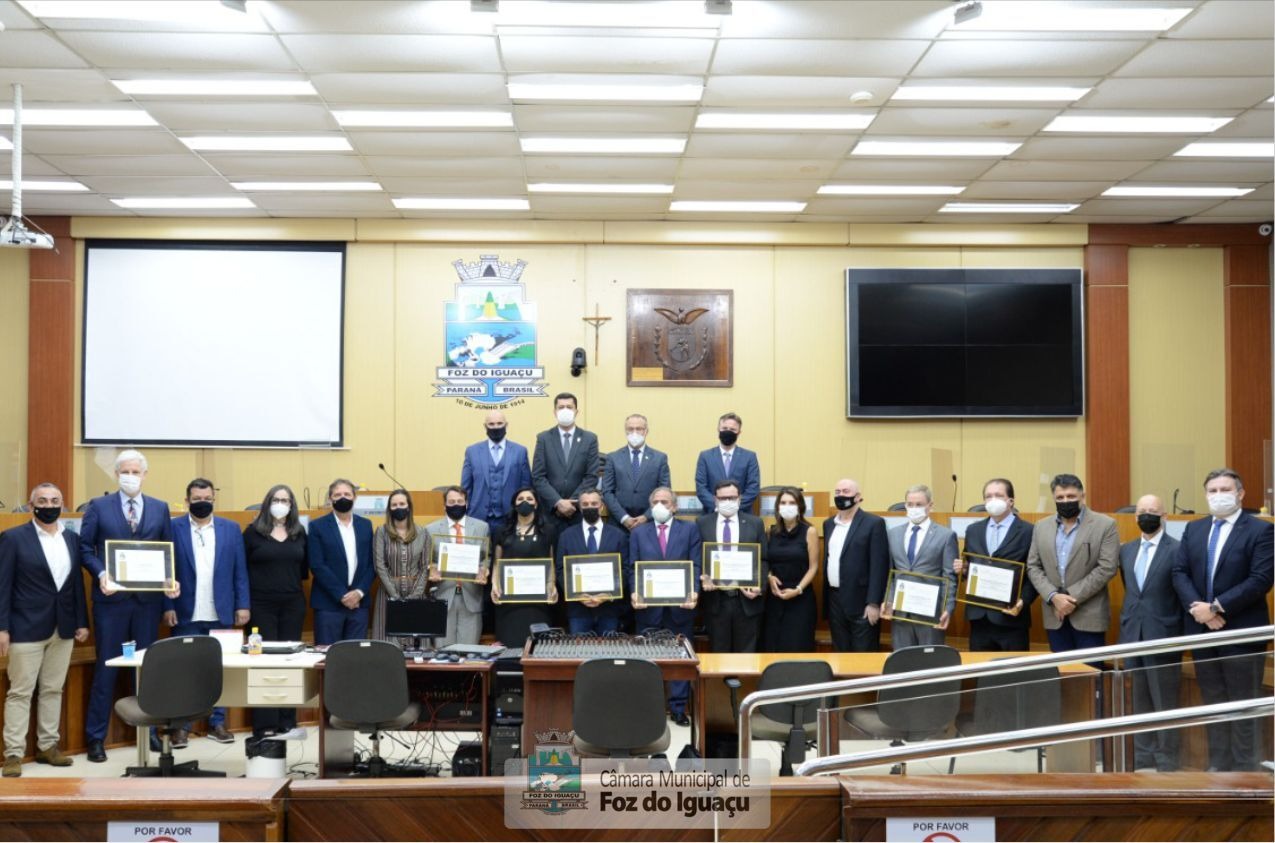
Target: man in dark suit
119, 616
592, 535
339, 551
733, 614
209, 556
665, 537
566, 461
1151, 610
1222, 573
493, 471
856, 565
1005, 536
727, 460
631, 474
42, 613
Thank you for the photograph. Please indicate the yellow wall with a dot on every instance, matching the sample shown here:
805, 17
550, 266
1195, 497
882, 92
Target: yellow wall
13, 376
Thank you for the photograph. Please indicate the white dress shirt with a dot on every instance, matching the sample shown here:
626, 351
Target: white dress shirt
1224, 533
597, 535
351, 550
55, 553
836, 543
204, 541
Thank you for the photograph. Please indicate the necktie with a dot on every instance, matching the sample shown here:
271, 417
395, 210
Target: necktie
592, 543
566, 446
458, 530
726, 462
1140, 567
726, 531
995, 540
912, 544
1214, 536
495, 454
132, 516
663, 539
637, 463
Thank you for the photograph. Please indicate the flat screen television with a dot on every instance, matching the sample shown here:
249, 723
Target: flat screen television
964, 342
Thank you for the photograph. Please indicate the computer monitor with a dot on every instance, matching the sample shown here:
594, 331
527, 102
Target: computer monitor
416, 618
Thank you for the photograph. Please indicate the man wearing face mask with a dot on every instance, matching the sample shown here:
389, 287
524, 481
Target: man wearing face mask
592, 535
922, 547
566, 461
1005, 536
339, 552
1222, 573
119, 616
727, 461
1072, 559
493, 470
209, 556
1150, 611
464, 599
733, 614
42, 614
631, 474
666, 537
855, 570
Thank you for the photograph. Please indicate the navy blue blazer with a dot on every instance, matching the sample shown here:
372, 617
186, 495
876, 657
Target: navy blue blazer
31, 606
743, 470
230, 571
103, 521
626, 495
1242, 577
572, 542
325, 553
1014, 545
684, 542
1154, 610
485, 502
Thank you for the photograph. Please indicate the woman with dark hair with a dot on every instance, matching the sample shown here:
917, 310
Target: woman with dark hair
275, 545
399, 553
524, 535
792, 550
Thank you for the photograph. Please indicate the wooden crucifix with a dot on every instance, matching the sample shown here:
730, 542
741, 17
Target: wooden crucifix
596, 320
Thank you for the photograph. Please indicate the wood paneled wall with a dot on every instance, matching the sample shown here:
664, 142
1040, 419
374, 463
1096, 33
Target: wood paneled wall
1246, 279
51, 361
1107, 479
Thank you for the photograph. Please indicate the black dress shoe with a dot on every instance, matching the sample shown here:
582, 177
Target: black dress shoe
682, 719
96, 753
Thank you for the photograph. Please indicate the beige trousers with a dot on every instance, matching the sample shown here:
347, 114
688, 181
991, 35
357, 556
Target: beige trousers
32, 663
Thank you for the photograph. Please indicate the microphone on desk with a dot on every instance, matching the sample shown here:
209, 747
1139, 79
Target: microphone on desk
954, 488
397, 485
1176, 509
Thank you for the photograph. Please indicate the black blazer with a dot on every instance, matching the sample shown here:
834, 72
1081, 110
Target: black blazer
555, 478
752, 530
1242, 577
31, 606
864, 564
1153, 611
1013, 546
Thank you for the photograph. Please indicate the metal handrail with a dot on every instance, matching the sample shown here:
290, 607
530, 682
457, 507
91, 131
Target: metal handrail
1044, 735
797, 693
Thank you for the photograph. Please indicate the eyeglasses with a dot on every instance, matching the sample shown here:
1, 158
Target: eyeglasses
284, 501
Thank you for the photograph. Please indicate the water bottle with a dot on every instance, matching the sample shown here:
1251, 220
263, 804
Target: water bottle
254, 642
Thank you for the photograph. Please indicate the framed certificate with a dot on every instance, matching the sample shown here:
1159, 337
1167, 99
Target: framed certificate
140, 566
663, 582
459, 559
916, 598
524, 580
592, 575
991, 582
733, 565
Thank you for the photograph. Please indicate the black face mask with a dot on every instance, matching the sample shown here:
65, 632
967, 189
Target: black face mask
525, 508
343, 505
495, 434
1149, 523
1068, 509
456, 511
727, 437
47, 514
400, 514
591, 514
844, 502
201, 509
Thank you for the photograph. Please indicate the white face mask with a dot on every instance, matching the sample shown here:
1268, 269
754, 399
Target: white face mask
661, 513
917, 514
1222, 504
635, 440
788, 511
566, 416
728, 508
996, 507
280, 510
130, 484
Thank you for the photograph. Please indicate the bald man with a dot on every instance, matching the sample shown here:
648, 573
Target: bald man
854, 571
493, 471
1152, 610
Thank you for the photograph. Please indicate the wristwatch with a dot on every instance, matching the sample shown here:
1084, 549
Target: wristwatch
1217, 608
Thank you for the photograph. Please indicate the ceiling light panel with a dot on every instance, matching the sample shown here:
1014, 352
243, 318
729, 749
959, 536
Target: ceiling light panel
1136, 124
185, 202
265, 143
287, 186
604, 146
426, 119
444, 203
784, 122
603, 92
889, 190
1129, 190
676, 14
46, 186
1030, 16
583, 187
79, 117
738, 207
1238, 149
1007, 208
215, 87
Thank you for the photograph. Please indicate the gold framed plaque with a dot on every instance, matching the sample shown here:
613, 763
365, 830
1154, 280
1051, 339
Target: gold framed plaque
140, 565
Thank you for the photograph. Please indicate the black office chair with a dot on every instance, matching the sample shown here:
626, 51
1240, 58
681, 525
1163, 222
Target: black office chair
914, 712
978, 507
252, 507
22, 507
618, 709
83, 507
897, 507
1127, 510
365, 690
180, 682
792, 724
1024, 699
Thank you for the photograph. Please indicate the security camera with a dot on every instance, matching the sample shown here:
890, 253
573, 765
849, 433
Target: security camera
1264, 229
578, 362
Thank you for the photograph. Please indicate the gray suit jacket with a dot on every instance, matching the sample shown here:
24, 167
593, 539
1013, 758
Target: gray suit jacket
1092, 563
556, 477
446, 590
934, 557
626, 495
1153, 611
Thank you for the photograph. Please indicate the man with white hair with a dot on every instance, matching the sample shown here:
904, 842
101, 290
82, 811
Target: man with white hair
119, 616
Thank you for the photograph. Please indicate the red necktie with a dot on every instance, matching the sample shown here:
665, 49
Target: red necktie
663, 539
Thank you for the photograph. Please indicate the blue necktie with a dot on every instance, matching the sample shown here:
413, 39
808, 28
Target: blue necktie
995, 541
1140, 567
637, 464
592, 543
1214, 536
726, 462
495, 454
912, 545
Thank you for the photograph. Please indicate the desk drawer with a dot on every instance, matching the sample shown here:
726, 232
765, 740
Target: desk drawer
271, 677
258, 695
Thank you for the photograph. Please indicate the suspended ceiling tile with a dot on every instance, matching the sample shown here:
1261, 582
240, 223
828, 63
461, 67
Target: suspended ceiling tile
756, 168
1195, 170
593, 168
180, 51
1004, 58
776, 145
583, 207
399, 166
223, 117
1014, 170
210, 185
816, 57
951, 121
47, 85
1106, 148
273, 167
735, 189
604, 54
1180, 93
130, 165
1227, 19
551, 119
364, 90
912, 170
349, 52
811, 19
35, 49
434, 143
99, 141
1203, 58
795, 91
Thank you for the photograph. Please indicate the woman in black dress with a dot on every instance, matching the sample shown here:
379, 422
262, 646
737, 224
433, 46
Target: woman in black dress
524, 535
792, 550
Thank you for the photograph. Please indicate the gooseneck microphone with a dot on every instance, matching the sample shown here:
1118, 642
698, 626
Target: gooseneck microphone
954, 488
1178, 510
307, 496
386, 471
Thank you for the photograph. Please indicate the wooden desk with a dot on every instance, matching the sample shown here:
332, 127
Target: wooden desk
714, 711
